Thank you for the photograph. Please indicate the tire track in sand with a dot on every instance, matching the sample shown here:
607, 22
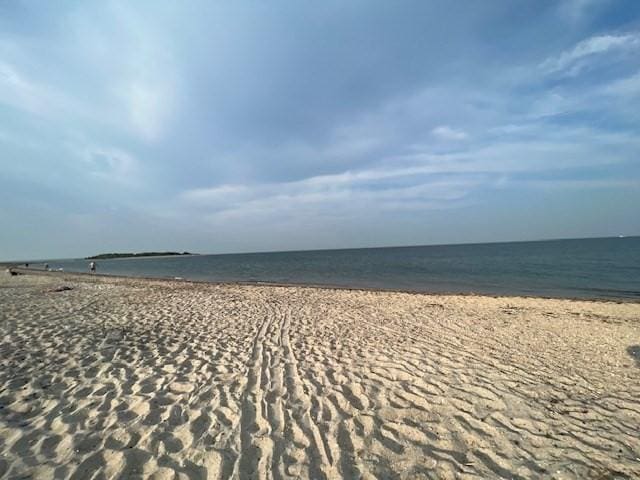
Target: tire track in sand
322, 465
255, 442
278, 438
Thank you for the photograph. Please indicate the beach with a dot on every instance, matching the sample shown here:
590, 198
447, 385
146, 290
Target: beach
129, 378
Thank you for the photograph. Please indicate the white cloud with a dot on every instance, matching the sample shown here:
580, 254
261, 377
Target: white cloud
445, 132
118, 72
571, 62
406, 188
23, 93
550, 104
581, 184
421, 180
625, 87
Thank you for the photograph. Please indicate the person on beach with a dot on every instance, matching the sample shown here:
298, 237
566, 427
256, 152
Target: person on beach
92, 267
46, 266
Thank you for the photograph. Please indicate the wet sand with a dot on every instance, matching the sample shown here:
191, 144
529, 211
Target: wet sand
122, 378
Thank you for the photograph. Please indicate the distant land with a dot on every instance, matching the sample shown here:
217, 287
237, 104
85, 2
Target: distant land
105, 256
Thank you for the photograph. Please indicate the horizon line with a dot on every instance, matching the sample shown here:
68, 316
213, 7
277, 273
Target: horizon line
341, 248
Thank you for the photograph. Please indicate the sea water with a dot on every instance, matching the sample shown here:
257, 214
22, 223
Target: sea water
585, 268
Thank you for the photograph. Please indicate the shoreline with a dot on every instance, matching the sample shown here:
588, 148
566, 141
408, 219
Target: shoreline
32, 271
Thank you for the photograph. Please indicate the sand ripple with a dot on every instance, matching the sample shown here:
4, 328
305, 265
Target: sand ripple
141, 379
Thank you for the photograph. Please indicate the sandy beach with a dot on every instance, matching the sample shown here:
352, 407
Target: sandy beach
121, 378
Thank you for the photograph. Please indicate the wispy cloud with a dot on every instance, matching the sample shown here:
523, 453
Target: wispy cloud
445, 132
573, 61
23, 93
625, 87
423, 181
347, 193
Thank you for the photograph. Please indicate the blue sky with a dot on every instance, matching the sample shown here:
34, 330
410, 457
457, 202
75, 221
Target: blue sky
252, 126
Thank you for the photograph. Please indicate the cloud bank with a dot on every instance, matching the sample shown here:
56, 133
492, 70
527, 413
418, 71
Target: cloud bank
243, 127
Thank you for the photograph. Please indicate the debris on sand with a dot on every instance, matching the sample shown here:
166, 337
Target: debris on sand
63, 288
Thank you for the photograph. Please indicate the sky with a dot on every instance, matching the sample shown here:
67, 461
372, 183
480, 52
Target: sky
219, 127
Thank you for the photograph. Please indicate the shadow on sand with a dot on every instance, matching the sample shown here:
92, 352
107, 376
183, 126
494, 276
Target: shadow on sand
634, 351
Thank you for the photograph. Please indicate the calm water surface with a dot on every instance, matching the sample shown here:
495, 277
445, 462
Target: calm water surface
588, 268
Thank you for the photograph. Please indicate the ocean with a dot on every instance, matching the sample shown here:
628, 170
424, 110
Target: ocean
607, 268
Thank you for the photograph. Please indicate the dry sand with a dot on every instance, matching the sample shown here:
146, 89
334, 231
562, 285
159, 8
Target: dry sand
121, 378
